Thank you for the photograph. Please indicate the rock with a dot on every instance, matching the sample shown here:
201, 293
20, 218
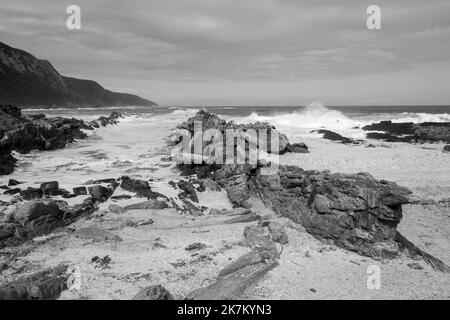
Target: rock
102, 263
356, 212
232, 286
44, 285
69, 195
97, 235
12, 191
210, 185
26, 133
298, 147
234, 179
414, 252
353, 211
29, 211
446, 148
116, 209
233, 212
278, 233
188, 190
333, 136
50, 188
410, 132
7, 161
415, 266
3, 267
243, 218
100, 193
256, 239
79, 191
146, 205
31, 193
140, 223
195, 246
156, 292
121, 197
12, 183
111, 181
141, 188
322, 204
248, 259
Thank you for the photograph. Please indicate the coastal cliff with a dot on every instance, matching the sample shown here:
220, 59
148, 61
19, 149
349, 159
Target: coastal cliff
29, 82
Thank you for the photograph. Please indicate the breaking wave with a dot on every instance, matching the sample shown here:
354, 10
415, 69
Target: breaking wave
314, 116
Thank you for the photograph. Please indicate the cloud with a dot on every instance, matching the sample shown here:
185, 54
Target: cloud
229, 40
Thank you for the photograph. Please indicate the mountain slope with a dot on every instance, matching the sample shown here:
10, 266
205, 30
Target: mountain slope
30, 82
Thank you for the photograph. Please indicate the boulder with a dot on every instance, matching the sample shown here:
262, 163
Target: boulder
44, 285
12, 183
298, 147
80, 191
140, 187
100, 193
278, 233
155, 292
116, 209
50, 188
29, 211
446, 148
188, 190
31, 193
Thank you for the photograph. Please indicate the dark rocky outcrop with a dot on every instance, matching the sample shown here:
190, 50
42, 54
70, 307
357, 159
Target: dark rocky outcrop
156, 292
141, 188
44, 285
26, 133
353, 211
410, 132
29, 82
333, 136
246, 132
40, 217
446, 148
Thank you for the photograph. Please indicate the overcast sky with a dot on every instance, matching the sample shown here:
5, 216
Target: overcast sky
245, 52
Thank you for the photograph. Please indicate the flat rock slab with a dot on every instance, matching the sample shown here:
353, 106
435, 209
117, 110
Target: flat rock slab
243, 218
97, 235
232, 286
151, 204
248, 259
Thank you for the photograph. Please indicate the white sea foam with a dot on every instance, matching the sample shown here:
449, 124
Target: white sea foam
314, 116
421, 117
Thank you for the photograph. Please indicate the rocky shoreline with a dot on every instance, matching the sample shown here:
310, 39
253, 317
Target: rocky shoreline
354, 212
406, 132
22, 133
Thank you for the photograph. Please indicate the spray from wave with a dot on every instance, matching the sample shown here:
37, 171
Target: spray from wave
314, 116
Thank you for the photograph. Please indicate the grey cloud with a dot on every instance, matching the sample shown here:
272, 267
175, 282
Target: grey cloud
226, 40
